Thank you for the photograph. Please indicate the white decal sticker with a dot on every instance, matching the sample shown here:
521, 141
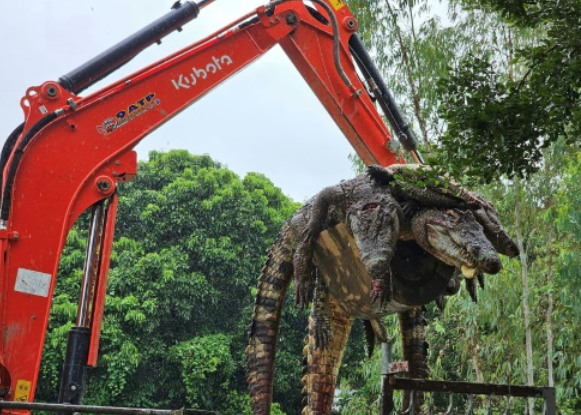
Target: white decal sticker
32, 282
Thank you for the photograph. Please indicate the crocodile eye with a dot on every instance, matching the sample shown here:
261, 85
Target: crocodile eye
371, 206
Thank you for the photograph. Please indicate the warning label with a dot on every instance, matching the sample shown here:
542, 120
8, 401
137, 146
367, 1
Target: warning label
22, 391
32, 282
338, 4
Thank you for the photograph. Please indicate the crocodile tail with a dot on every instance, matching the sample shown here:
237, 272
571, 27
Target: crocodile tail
415, 350
369, 337
321, 367
272, 287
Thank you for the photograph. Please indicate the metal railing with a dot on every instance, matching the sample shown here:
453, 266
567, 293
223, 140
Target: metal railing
67, 408
390, 383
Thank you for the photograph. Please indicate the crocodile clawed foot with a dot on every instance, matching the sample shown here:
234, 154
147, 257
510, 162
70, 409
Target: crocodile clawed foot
380, 290
304, 289
322, 333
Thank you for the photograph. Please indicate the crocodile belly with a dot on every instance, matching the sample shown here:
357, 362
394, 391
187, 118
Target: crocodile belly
418, 278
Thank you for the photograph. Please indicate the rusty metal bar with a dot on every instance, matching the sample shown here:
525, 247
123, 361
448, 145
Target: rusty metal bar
55, 407
204, 3
548, 394
468, 388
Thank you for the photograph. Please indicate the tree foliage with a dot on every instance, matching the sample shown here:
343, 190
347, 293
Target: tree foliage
191, 240
498, 120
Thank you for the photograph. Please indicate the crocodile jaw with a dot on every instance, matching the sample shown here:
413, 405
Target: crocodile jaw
468, 272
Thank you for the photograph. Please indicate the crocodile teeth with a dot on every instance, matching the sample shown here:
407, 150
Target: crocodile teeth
468, 272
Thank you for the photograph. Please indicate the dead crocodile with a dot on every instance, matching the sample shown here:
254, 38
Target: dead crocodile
423, 269
369, 205
274, 281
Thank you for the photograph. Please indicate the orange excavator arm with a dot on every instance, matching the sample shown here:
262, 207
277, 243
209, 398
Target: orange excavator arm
71, 152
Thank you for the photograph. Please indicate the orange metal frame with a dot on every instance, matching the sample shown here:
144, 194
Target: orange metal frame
61, 169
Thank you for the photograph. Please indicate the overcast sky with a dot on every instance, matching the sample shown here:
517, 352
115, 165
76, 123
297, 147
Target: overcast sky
265, 119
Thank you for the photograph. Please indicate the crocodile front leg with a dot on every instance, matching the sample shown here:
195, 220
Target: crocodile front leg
303, 256
375, 225
488, 218
321, 366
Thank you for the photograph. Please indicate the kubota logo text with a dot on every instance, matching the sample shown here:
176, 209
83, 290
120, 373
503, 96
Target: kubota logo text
191, 79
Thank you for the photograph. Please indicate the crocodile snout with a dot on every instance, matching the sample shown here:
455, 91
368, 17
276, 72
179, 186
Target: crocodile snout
491, 264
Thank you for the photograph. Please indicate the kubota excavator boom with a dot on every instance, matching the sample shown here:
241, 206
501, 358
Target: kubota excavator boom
72, 151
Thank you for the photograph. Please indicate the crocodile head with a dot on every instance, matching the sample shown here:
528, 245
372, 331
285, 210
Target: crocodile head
456, 238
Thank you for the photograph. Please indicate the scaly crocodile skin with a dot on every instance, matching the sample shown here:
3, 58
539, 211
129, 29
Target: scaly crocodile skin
321, 366
273, 284
415, 350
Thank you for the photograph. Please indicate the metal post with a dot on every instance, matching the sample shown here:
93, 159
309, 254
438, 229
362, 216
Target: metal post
550, 396
386, 407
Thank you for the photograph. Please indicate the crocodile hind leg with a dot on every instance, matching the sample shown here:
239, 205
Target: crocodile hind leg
321, 316
415, 351
321, 366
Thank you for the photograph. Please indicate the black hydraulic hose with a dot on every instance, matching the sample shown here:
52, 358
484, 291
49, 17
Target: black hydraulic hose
115, 57
7, 193
384, 97
7, 150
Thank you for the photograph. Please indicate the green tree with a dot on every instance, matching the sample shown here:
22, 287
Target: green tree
499, 121
495, 330
191, 239
415, 44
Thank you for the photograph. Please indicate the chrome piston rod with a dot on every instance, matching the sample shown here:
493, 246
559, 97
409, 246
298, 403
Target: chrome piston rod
89, 267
